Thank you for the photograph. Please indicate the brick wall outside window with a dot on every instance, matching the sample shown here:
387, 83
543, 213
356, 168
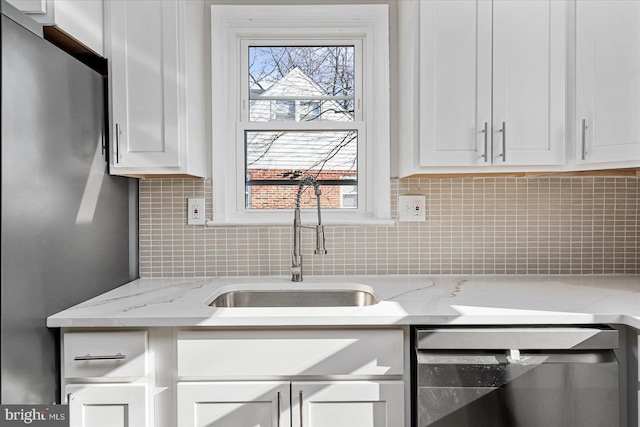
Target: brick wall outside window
283, 197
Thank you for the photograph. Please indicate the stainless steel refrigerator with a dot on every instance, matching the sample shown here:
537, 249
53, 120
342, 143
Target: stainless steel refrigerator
68, 228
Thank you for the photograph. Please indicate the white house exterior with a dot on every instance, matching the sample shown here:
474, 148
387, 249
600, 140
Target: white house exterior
295, 97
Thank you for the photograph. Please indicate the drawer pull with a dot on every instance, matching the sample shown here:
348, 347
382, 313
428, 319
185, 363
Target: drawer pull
118, 356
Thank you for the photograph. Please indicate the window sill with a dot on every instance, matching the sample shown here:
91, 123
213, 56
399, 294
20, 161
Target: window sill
307, 219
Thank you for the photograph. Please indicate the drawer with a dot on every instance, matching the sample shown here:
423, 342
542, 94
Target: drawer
113, 354
253, 354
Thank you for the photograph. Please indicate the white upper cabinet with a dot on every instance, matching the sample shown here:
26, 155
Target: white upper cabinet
492, 85
80, 19
156, 75
144, 78
529, 82
455, 82
608, 81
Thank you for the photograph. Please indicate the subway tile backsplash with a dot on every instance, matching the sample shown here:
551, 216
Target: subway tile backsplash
559, 225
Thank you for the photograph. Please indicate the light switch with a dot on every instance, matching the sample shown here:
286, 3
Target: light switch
412, 208
195, 212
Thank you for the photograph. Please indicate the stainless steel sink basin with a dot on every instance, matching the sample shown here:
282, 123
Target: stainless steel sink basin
316, 297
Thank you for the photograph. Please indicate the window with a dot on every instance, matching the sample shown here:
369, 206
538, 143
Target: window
306, 85
290, 96
280, 110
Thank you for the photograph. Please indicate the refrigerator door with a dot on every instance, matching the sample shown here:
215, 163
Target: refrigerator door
65, 222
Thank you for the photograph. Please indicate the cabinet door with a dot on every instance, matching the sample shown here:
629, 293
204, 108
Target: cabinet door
31, 7
80, 19
234, 404
348, 404
455, 82
145, 82
107, 405
529, 89
608, 80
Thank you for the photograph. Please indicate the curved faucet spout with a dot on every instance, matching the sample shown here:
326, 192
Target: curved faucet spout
296, 254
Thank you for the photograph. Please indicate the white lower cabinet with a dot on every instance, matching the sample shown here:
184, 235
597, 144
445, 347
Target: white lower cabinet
107, 378
347, 403
168, 377
108, 405
325, 378
234, 404
240, 355
295, 404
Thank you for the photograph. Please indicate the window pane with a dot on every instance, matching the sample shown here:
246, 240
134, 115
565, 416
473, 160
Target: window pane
302, 151
301, 83
349, 195
274, 159
283, 110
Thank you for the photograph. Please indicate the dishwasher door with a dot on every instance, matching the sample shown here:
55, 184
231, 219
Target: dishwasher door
516, 388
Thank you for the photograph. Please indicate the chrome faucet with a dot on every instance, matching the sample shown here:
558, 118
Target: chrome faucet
296, 255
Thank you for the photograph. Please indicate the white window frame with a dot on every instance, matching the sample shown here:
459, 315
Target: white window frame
232, 26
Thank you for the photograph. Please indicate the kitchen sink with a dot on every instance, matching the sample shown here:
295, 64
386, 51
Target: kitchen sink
292, 297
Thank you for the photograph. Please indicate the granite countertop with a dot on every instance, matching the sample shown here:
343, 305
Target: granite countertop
405, 299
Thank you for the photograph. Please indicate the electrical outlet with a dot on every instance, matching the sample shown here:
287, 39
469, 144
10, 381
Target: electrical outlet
412, 208
195, 212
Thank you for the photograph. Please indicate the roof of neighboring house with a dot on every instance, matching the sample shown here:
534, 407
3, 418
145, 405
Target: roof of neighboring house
295, 82
302, 150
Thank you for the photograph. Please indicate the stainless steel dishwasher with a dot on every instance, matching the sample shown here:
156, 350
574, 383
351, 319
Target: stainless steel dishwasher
515, 377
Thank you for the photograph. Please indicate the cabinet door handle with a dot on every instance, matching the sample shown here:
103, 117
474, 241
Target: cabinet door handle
584, 139
89, 356
104, 143
300, 398
117, 143
279, 410
486, 141
504, 142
